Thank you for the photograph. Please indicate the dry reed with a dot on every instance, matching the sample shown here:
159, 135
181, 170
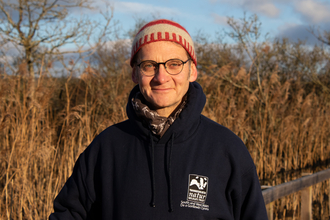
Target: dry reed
286, 130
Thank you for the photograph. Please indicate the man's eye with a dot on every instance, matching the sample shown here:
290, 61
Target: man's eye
174, 64
148, 66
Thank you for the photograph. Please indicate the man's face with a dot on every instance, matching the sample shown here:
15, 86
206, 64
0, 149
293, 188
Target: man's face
163, 91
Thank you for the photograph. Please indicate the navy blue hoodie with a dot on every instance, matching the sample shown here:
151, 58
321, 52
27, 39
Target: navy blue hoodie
197, 170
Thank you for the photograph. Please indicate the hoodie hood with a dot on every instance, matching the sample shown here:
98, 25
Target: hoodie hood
184, 126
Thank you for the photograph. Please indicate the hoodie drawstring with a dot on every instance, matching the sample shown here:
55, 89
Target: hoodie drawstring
169, 174
152, 203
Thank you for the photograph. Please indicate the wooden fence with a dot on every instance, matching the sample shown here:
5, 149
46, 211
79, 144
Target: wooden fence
304, 184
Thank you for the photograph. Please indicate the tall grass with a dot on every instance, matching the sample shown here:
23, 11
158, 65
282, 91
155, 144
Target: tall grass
42, 136
285, 128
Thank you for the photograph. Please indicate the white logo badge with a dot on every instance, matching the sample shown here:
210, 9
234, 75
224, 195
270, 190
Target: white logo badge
197, 188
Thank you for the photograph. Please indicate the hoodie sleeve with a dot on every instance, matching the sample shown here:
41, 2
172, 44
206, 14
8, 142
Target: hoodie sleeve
74, 200
252, 206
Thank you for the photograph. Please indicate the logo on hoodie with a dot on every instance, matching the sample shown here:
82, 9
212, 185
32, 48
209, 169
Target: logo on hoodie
197, 188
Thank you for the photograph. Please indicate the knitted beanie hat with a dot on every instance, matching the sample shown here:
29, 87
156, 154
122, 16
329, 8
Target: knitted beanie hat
163, 30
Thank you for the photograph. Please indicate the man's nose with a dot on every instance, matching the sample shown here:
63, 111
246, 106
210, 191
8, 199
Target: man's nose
161, 75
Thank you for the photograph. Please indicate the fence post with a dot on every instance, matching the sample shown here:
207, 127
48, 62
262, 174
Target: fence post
270, 210
269, 206
306, 202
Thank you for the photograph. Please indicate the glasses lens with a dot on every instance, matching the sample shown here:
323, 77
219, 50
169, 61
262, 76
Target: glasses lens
174, 66
148, 67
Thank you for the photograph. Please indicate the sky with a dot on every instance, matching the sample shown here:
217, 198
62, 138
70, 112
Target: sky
280, 18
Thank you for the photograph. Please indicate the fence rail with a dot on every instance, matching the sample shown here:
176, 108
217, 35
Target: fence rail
304, 183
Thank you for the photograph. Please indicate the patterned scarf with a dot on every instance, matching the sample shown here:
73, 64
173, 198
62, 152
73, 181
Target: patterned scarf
156, 123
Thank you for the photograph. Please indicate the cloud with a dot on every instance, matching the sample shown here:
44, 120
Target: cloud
313, 10
295, 32
218, 19
137, 8
265, 7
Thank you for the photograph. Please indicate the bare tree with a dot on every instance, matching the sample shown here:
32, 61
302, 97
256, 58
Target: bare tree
41, 28
246, 33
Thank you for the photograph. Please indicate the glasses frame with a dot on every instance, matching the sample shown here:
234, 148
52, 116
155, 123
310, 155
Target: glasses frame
164, 63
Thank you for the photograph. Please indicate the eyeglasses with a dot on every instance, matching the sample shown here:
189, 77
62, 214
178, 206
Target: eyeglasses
172, 66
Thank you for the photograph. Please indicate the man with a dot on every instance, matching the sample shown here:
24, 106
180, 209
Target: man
166, 161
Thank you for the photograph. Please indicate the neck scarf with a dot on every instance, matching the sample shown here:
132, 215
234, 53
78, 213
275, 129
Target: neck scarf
156, 123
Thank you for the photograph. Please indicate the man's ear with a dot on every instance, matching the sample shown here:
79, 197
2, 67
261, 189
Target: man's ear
135, 75
193, 73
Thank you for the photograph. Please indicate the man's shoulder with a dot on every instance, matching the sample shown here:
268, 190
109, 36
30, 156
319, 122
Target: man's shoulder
232, 145
209, 124
221, 134
120, 127
113, 132
114, 135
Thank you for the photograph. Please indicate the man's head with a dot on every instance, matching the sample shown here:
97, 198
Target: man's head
164, 62
163, 30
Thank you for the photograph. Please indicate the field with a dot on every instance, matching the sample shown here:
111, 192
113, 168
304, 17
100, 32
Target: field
286, 128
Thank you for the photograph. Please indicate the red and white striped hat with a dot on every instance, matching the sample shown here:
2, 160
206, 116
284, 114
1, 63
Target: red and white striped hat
163, 30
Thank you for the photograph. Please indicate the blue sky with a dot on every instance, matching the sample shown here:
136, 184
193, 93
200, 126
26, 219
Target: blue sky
280, 18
